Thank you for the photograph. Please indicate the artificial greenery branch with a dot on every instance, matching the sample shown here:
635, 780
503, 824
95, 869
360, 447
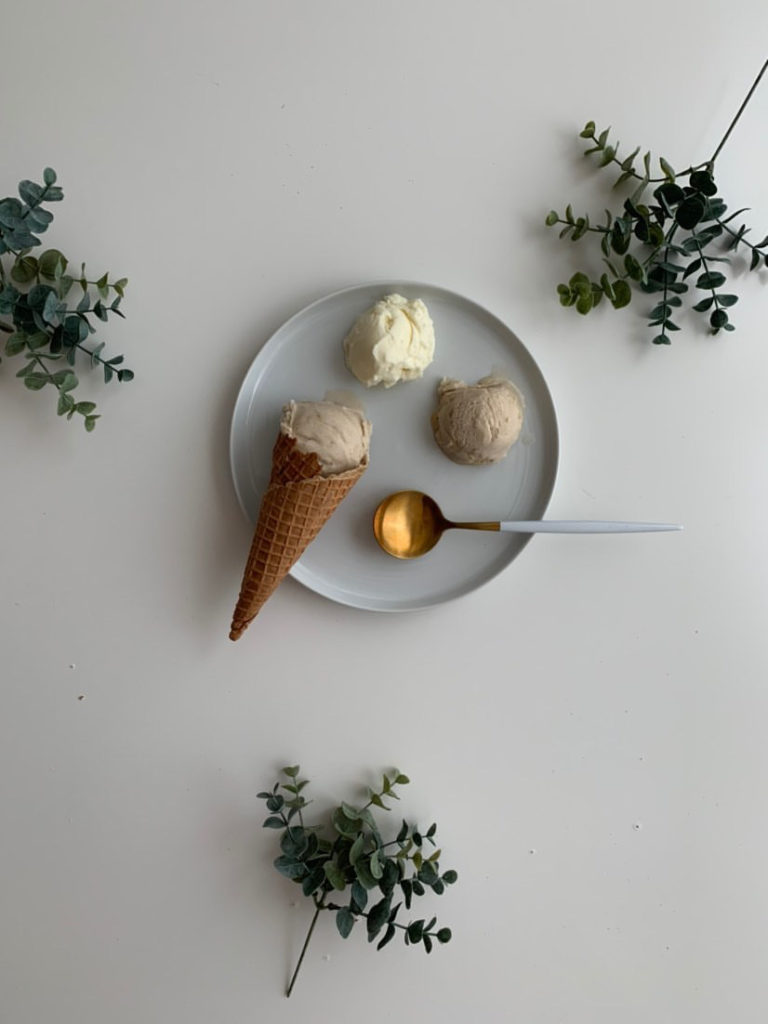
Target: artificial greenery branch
354, 861
34, 292
663, 258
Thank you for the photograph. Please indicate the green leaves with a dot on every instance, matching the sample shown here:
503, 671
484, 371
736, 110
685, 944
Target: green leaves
710, 280
16, 343
377, 917
622, 294
335, 875
585, 294
24, 269
702, 181
656, 246
345, 921
690, 211
34, 292
667, 169
355, 860
20, 218
52, 264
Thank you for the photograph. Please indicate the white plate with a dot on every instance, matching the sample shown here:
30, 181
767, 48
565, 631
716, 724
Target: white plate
303, 360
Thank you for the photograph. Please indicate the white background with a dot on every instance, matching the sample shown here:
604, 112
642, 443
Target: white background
588, 729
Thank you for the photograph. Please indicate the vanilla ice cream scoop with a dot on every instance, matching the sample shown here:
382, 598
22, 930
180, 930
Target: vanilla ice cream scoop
338, 434
394, 340
477, 424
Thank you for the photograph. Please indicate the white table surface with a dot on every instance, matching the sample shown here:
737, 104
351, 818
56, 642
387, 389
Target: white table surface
588, 729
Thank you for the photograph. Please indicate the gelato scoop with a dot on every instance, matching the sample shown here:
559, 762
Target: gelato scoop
337, 434
394, 340
477, 424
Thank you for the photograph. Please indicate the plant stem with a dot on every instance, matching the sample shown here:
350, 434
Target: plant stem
599, 230
709, 164
732, 233
705, 267
654, 181
318, 908
738, 114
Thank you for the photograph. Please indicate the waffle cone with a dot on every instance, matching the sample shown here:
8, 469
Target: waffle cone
296, 505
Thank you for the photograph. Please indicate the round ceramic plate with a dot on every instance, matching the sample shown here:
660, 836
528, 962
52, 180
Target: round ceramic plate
304, 360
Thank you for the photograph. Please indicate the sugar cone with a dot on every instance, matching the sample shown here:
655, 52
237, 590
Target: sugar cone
296, 505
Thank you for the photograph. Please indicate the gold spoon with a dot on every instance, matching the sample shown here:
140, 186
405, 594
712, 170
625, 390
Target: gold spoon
409, 524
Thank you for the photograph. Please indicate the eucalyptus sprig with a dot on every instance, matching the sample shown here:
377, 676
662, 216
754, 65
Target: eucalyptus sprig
672, 237
355, 862
45, 326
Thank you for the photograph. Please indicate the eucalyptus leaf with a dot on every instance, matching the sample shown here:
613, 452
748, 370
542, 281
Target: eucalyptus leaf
375, 865
10, 212
388, 936
345, 921
712, 279
377, 917
30, 193
356, 850
50, 311
666, 169
622, 294
66, 404
38, 340
335, 875
287, 866
364, 875
359, 895
24, 269
15, 344
294, 842
52, 264
703, 182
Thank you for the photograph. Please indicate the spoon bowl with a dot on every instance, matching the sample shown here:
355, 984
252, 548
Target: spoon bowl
408, 524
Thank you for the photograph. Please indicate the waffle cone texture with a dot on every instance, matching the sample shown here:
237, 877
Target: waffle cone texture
297, 504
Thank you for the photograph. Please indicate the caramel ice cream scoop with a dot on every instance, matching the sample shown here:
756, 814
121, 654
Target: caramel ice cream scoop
477, 424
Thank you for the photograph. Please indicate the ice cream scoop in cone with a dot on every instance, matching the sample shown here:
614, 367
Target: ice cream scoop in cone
300, 498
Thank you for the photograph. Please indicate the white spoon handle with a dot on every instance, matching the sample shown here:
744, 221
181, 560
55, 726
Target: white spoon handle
584, 526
